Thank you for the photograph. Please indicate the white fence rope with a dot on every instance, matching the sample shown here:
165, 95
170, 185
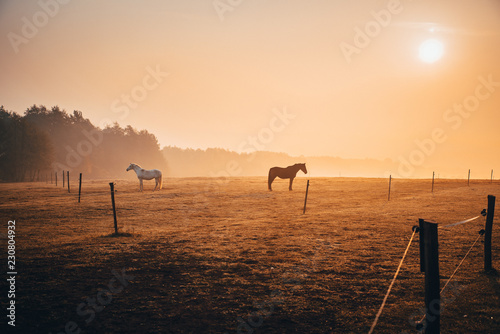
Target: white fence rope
390, 286
459, 223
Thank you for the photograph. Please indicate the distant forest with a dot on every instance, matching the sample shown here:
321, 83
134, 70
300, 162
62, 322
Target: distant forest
218, 162
44, 141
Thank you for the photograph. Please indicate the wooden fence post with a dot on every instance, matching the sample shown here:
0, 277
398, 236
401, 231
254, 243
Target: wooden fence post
56, 178
488, 229
491, 176
421, 244
68, 179
80, 188
468, 179
431, 268
305, 200
112, 186
389, 196
63, 178
432, 182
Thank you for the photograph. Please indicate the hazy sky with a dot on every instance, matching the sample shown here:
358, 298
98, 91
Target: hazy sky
204, 73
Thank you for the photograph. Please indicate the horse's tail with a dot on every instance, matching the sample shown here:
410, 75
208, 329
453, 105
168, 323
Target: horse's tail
161, 180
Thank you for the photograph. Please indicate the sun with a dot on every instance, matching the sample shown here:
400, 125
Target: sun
431, 50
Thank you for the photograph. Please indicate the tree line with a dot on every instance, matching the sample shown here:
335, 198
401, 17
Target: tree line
44, 141
218, 162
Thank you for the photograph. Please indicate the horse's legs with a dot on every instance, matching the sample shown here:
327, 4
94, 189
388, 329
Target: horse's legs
270, 181
140, 186
156, 185
291, 181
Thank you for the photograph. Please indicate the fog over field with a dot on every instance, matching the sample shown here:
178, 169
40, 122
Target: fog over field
410, 86
266, 160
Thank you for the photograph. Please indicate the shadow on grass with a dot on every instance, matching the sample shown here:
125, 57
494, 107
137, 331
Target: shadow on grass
119, 234
493, 278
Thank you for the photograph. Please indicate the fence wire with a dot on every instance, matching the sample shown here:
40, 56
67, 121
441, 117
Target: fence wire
454, 272
461, 222
392, 283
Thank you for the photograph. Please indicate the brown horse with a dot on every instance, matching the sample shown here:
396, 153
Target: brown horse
285, 173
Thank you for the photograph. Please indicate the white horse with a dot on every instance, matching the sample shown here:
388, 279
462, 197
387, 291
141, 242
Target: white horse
143, 174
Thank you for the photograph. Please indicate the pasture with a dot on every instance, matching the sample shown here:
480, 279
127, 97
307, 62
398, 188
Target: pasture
226, 256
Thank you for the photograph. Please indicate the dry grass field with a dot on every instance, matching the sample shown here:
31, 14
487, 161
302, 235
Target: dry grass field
228, 256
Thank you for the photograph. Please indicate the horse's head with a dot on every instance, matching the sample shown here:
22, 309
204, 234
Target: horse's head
303, 168
131, 166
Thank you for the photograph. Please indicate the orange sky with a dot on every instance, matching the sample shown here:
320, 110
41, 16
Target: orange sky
232, 68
